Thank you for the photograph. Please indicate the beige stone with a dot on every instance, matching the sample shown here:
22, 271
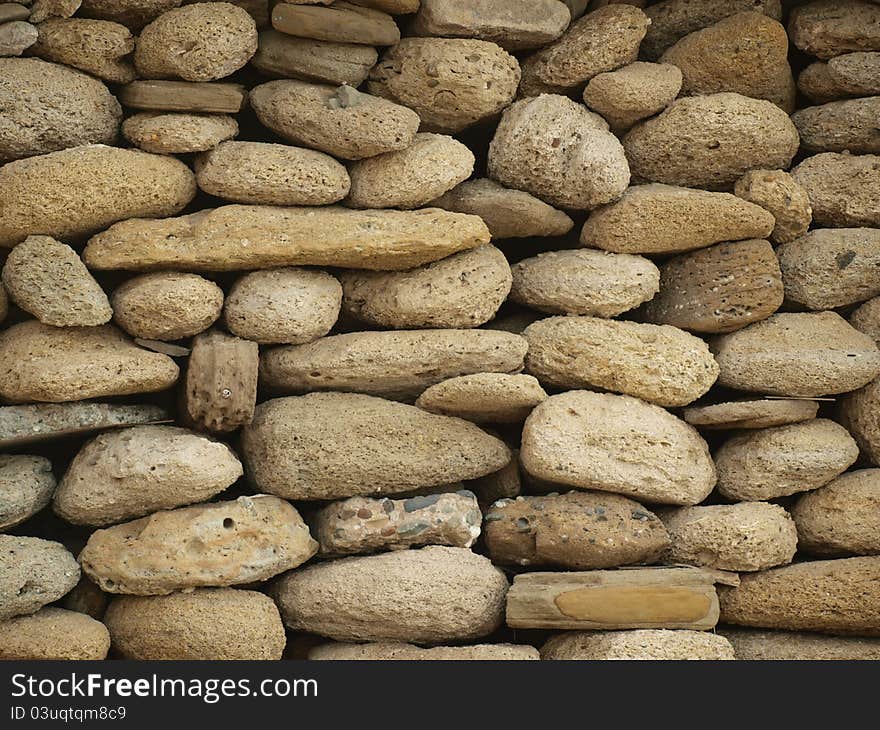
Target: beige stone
451, 83
271, 174
167, 305
98, 47
584, 281
388, 651
751, 413
184, 96
428, 596
174, 134
634, 92
828, 28
208, 623
214, 240
54, 364
844, 190
638, 645
602, 40
44, 9
557, 150
777, 192
342, 22
26, 486
216, 544
860, 413
857, 74
796, 354
659, 364
616, 443
33, 573
340, 121
55, 634
398, 365
131, 13
577, 531
335, 445
818, 84
662, 219
137, 471
866, 319
16, 37
840, 126
462, 290
484, 397
831, 596
754, 645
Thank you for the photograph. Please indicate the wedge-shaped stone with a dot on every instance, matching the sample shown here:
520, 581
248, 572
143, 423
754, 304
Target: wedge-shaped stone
760, 413
213, 240
828, 28
54, 634
335, 445
616, 443
637, 645
754, 645
844, 190
388, 651
484, 397
26, 486
777, 192
33, 573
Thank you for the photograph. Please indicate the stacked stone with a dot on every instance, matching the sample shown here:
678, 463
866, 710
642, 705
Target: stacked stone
452, 329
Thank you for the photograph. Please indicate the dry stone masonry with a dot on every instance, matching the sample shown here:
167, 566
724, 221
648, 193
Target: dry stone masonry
440, 329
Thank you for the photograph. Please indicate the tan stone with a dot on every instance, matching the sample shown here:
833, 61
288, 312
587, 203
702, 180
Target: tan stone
55, 634
97, 47
866, 319
33, 573
751, 413
334, 445
394, 7
388, 651
131, 13
55, 364
617, 443
209, 623
342, 22
86, 598
840, 126
828, 28
184, 96
844, 190
857, 74
44, 9
26, 486
172, 134
777, 192
428, 596
860, 413
818, 85
634, 92
502, 484
16, 37
754, 645
484, 397
638, 645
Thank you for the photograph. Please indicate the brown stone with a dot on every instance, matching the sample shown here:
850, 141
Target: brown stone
97, 47
860, 413
342, 22
26, 486
54, 634
183, 96
844, 190
285, 56
751, 413
828, 28
866, 318
777, 192
634, 92
840, 126
857, 74
484, 397
131, 13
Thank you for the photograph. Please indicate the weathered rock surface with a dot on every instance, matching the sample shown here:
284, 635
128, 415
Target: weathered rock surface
844, 190
484, 397
754, 645
751, 413
97, 47
857, 74
777, 192
54, 634
343, 22
184, 96
33, 573
637, 645
26, 486
860, 413
828, 28
634, 92
16, 37
840, 126
388, 651
866, 318
132, 13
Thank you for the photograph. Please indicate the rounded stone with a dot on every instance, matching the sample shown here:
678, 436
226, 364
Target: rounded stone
53, 634
751, 413
844, 190
857, 74
860, 413
741, 537
166, 305
432, 165
26, 486
271, 174
428, 596
131, 13
637, 91
484, 397
777, 192
136, 471
98, 47
818, 84
639, 645
828, 28
866, 319
33, 573
338, 120
659, 364
616, 443
775, 462
711, 141
755, 645
451, 83
557, 150
283, 306
394, 651
200, 42
462, 290
840, 126
16, 37
46, 107
176, 134
205, 624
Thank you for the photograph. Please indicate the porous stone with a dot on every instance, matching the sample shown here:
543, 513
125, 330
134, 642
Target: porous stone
754, 645
137, 471
777, 192
828, 28
866, 319
393, 651
214, 240
216, 544
98, 47
842, 518
508, 213
16, 37
343, 22
860, 413
662, 219
208, 623
634, 92
751, 413
462, 290
747, 536
817, 83
484, 397
43, 10
746, 53
47, 279
857, 74
602, 40
451, 83
78, 191
54, 634
577, 531
175, 134
26, 486
559, 151
33, 573
365, 524
398, 365
659, 364
133, 14
200, 42
831, 596
617, 443
334, 445
776, 462
428, 596
166, 305
584, 281
409, 178
840, 126
47, 107
340, 121
844, 190
721, 288
637, 645
271, 174
54, 364
711, 141
796, 354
